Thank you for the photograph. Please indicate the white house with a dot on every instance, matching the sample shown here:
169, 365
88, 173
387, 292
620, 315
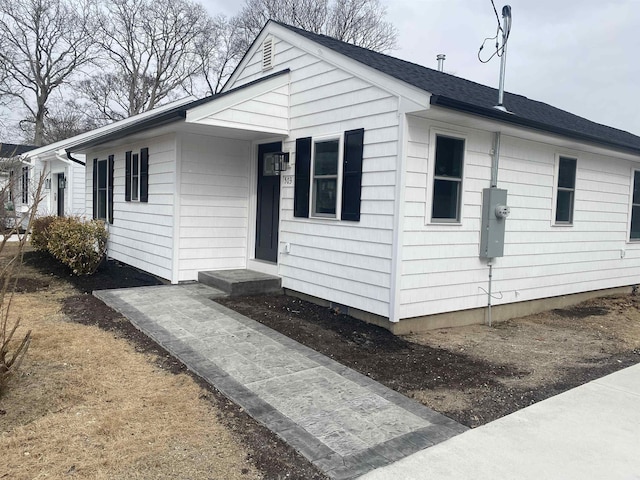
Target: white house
381, 209
63, 183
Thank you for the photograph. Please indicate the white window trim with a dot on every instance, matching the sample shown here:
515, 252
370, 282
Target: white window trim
635, 241
314, 141
97, 199
554, 199
131, 196
431, 170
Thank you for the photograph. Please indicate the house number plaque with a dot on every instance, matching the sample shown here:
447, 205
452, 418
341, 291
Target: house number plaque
287, 179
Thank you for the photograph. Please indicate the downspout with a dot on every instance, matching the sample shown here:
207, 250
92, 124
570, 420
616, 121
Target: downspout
398, 220
75, 159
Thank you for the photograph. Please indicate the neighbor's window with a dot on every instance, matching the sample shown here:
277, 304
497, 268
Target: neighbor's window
102, 190
635, 208
11, 184
447, 179
566, 190
325, 178
24, 184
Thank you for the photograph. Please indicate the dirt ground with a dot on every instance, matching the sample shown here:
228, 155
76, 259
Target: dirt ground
97, 399
473, 374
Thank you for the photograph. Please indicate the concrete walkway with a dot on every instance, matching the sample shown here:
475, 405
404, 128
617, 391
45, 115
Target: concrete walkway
343, 422
590, 432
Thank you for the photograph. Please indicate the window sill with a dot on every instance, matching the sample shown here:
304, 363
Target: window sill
562, 225
443, 224
331, 219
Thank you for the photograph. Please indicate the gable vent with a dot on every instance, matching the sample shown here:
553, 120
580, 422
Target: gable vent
267, 54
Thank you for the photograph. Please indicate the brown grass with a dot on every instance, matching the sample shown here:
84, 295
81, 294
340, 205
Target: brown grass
86, 405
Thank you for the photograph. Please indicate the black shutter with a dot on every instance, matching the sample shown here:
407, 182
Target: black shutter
127, 177
110, 191
303, 178
352, 174
144, 175
95, 188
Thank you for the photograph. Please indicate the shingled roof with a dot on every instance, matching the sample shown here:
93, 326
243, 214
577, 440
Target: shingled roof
464, 95
8, 150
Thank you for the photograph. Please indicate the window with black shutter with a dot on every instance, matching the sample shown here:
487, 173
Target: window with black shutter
319, 178
137, 176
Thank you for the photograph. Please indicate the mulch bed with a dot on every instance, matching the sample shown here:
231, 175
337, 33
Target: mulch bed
408, 367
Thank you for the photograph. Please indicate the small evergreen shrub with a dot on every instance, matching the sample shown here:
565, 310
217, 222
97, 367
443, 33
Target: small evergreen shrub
40, 232
81, 245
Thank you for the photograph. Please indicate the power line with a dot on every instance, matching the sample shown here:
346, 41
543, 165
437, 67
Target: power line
505, 36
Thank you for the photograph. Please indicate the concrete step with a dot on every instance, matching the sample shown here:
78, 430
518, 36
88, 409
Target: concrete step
241, 282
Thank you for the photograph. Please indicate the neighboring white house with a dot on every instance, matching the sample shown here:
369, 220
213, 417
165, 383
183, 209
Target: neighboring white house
63, 182
381, 209
14, 184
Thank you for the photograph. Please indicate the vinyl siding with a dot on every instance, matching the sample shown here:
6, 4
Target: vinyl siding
213, 206
344, 262
142, 233
441, 268
75, 201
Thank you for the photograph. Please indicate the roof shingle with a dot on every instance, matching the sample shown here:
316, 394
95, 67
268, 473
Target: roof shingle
461, 94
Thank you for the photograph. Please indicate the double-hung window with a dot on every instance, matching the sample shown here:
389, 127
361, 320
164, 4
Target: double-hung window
135, 177
103, 189
325, 178
635, 207
102, 197
566, 188
447, 179
136, 171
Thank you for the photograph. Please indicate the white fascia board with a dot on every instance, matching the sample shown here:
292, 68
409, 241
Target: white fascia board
414, 99
231, 99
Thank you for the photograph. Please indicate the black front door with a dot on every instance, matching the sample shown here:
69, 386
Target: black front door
268, 204
61, 187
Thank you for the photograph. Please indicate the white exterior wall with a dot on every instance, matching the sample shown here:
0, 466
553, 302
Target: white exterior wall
340, 261
213, 205
75, 200
142, 233
441, 268
74, 194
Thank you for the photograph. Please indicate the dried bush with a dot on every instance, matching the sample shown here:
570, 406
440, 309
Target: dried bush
81, 245
12, 347
40, 232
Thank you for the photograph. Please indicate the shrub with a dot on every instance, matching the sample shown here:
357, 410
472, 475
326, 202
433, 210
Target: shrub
81, 245
40, 232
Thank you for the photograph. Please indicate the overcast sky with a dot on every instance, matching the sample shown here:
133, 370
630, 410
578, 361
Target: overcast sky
579, 55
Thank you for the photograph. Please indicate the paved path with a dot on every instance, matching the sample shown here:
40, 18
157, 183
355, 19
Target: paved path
342, 421
590, 432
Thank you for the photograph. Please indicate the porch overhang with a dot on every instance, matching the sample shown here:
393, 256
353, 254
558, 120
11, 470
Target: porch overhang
262, 108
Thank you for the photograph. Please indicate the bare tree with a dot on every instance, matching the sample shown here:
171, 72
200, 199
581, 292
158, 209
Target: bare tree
150, 54
63, 120
218, 53
44, 43
361, 22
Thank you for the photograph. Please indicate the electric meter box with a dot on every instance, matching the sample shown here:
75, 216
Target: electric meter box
494, 214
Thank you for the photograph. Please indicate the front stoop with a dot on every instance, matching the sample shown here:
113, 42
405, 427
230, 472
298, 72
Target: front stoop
241, 282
